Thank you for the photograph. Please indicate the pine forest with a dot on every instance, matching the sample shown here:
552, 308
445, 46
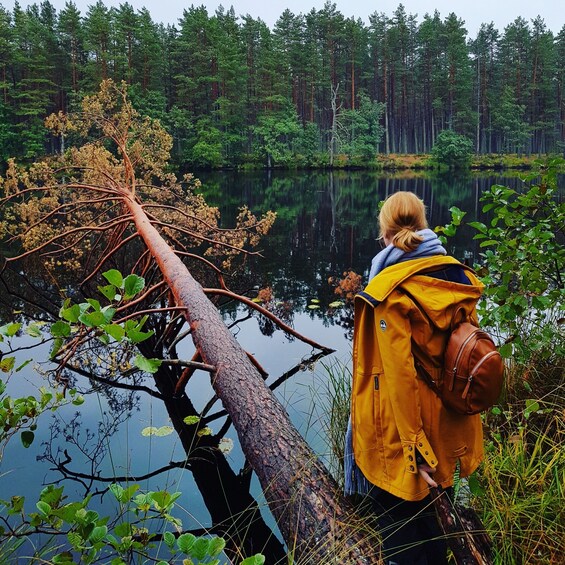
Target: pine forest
231, 91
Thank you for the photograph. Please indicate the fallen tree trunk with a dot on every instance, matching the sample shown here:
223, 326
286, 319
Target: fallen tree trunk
314, 518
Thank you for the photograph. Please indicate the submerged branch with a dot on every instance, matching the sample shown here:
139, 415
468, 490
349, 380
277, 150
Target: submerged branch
61, 466
115, 383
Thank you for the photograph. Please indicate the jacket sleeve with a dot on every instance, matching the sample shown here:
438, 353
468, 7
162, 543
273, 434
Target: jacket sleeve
395, 335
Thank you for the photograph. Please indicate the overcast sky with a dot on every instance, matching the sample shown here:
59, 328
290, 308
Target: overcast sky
473, 12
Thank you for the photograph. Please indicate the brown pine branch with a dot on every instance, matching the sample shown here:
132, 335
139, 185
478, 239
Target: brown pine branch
56, 238
203, 222
74, 243
269, 315
75, 205
200, 237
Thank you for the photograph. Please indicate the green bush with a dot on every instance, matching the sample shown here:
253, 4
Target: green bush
452, 150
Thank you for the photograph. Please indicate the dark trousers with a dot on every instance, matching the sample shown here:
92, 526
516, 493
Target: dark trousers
409, 530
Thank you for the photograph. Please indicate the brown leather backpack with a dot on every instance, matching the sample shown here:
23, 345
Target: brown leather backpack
473, 369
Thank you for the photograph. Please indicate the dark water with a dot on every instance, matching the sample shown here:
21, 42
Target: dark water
326, 224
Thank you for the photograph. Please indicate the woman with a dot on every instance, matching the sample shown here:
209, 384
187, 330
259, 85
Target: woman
403, 439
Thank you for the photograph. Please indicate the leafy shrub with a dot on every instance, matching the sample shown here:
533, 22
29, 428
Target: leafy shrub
452, 149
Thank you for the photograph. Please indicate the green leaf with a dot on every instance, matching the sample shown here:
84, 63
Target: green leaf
114, 277
123, 529
505, 350
147, 365
200, 548
52, 495
216, 546
104, 339
115, 331
129, 492
43, 507
98, 534
532, 405
117, 490
191, 420
71, 314
108, 313
336, 304
109, 291
204, 432
10, 330
95, 304
7, 364
169, 539
24, 364
78, 400
33, 330
93, 319
185, 542
27, 438
75, 539
57, 344
164, 431
159, 432
257, 559
313, 306
65, 558
60, 329
135, 336
133, 284
475, 486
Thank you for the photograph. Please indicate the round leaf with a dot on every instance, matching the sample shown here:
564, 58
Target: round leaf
185, 542
216, 546
27, 438
133, 284
114, 277
60, 329
147, 365
43, 507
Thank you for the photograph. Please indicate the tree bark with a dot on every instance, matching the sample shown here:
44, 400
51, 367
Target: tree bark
313, 516
464, 532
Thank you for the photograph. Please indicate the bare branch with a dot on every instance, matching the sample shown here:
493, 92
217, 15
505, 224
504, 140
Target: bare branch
269, 315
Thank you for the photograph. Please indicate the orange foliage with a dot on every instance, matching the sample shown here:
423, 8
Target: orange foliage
348, 286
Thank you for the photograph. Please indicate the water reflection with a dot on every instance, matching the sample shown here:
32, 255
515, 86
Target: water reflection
326, 221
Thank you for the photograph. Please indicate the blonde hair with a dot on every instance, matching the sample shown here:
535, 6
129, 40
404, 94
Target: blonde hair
401, 215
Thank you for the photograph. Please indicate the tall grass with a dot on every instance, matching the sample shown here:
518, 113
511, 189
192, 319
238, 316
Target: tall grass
333, 399
522, 498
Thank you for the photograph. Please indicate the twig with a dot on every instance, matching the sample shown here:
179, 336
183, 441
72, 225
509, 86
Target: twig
267, 314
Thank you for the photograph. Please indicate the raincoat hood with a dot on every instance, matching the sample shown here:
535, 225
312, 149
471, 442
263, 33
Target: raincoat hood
436, 297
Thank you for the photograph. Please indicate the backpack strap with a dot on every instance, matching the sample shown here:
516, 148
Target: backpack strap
426, 377
459, 316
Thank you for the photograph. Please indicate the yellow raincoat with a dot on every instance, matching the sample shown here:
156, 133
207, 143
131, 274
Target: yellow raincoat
394, 412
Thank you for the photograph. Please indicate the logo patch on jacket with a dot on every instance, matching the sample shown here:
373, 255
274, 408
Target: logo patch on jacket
383, 325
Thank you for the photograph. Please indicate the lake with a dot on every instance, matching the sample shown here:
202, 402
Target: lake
326, 225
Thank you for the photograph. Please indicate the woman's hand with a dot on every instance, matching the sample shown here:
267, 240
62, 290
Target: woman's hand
425, 472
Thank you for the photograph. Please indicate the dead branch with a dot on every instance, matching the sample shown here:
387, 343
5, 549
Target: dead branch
267, 314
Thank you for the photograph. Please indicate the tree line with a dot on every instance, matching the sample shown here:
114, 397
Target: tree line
314, 88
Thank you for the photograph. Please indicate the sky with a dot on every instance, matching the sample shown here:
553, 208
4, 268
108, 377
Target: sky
473, 12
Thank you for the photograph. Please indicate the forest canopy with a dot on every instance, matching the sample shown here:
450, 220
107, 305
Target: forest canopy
232, 91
